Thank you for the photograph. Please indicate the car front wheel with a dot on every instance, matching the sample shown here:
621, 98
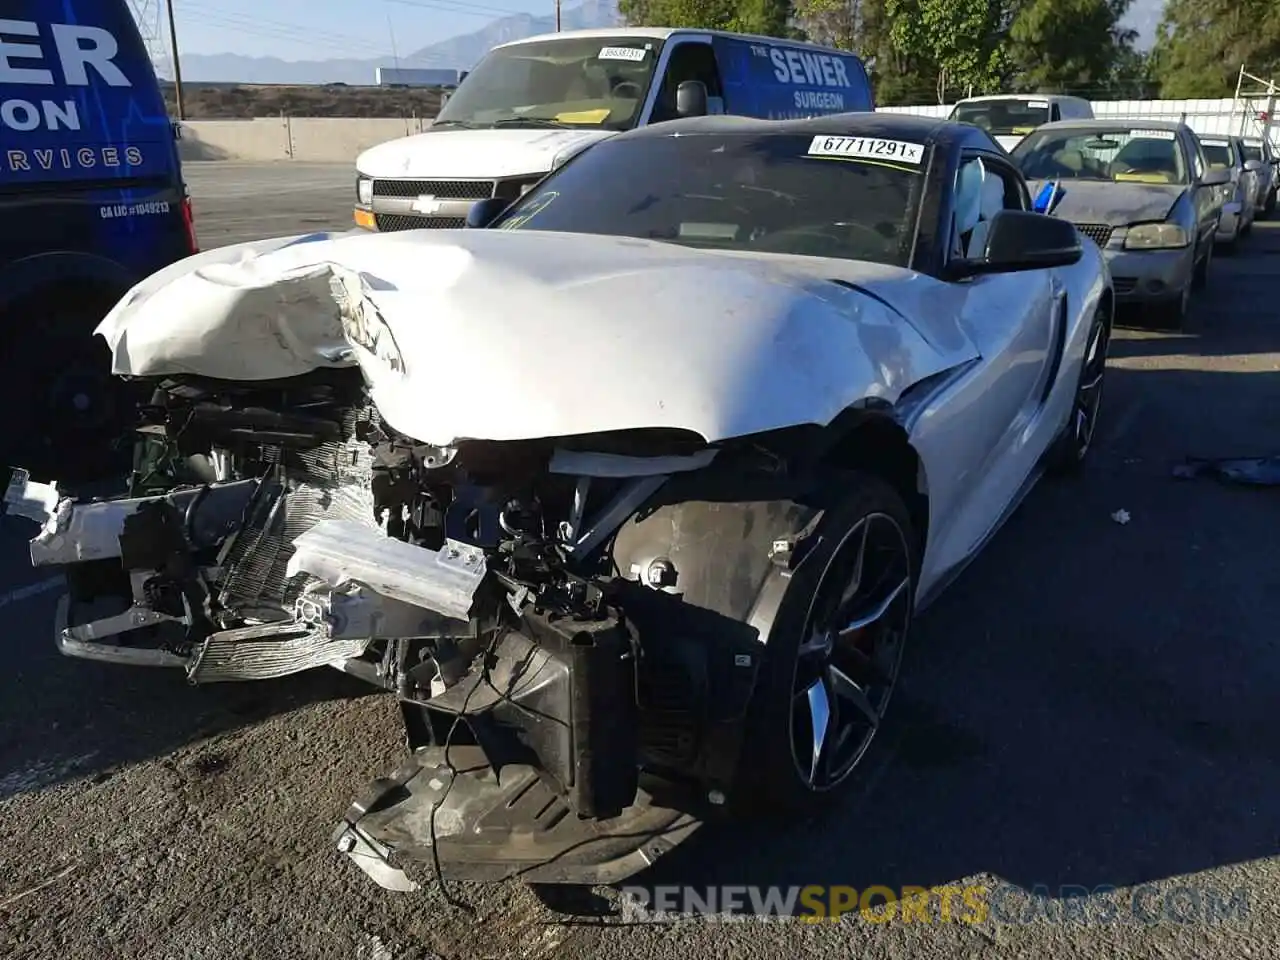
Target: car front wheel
834, 652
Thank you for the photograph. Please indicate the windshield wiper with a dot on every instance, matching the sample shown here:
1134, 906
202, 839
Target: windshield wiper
465, 124
530, 121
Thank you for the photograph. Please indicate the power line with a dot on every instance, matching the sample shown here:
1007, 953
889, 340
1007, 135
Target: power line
267, 27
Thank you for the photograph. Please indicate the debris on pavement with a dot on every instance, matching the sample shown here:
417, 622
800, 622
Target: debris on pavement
1249, 471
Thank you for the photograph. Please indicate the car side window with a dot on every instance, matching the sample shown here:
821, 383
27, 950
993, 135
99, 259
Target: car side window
984, 186
688, 61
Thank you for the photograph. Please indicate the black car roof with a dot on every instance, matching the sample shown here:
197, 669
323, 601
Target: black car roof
891, 126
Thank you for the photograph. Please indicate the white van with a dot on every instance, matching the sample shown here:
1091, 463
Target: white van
1009, 118
530, 105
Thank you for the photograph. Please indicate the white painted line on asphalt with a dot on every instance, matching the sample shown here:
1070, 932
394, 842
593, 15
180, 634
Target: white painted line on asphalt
48, 585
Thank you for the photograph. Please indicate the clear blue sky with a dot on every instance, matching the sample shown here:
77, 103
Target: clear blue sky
322, 29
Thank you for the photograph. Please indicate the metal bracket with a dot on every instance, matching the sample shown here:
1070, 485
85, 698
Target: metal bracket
371, 857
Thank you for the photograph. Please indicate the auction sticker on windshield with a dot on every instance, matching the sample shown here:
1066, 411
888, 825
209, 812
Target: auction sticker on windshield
634, 54
868, 148
1152, 134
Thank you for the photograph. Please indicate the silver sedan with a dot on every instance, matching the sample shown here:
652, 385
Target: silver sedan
1143, 192
1259, 150
1240, 196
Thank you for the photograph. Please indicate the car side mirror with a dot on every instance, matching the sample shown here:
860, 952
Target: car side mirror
1253, 166
484, 212
1217, 177
1022, 240
691, 99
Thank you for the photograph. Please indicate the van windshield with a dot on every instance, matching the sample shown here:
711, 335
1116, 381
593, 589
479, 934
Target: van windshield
1004, 118
1253, 151
598, 82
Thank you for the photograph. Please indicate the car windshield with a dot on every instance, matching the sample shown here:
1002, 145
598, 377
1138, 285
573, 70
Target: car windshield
1253, 151
1217, 153
1117, 154
842, 197
1004, 118
598, 82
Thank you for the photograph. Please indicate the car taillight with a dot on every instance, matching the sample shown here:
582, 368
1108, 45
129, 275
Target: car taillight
189, 225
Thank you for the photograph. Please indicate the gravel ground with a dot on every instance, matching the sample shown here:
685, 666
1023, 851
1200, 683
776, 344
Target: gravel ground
1088, 706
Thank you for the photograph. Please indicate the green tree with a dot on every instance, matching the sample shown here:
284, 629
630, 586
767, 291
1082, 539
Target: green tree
707, 14
1133, 76
1067, 46
1202, 44
963, 40
765, 17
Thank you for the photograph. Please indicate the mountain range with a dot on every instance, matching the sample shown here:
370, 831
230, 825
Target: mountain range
463, 52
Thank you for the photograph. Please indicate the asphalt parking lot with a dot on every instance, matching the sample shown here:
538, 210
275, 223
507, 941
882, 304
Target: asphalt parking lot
1091, 705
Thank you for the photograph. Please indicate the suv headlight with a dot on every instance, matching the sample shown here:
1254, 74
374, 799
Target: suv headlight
1156, 236
364, 191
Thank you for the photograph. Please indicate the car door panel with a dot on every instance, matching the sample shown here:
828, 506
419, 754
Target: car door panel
1015, 320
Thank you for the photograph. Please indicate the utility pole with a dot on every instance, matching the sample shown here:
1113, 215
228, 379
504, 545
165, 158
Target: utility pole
173, 52
557, 15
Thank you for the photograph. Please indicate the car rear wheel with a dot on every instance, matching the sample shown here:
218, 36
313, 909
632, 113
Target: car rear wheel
70, 416
834, 652
1074, 443
1270, 206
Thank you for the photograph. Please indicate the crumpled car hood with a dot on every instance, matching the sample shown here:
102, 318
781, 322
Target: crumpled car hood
507, 335
1115, 204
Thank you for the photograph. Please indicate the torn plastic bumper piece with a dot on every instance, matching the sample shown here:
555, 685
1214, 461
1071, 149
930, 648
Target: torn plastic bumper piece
489, 826
79, 532
377, 587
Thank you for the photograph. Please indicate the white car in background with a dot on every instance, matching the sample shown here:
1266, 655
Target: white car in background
1010, 118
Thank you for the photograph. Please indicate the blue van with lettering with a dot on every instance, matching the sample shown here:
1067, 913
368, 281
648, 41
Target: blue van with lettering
531, 104
93, 201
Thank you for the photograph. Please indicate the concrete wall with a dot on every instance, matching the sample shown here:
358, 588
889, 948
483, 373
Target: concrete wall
340, 140
1226, 116
291, 138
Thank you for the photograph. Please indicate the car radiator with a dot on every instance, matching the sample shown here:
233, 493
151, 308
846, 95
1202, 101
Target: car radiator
329, 482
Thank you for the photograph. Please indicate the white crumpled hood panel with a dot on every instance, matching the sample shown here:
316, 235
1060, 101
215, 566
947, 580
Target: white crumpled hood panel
509, 335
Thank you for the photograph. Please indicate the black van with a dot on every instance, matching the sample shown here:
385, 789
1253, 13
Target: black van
92, 201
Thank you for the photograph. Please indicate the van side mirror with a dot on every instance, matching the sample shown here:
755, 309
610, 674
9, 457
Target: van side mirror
691, 99
484, 212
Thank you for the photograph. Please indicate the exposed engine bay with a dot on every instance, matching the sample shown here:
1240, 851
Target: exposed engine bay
568, 624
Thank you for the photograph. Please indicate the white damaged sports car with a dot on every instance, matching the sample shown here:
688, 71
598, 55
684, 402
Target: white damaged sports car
629, 492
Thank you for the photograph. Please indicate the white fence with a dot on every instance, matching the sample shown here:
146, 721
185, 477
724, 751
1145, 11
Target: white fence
1242, 117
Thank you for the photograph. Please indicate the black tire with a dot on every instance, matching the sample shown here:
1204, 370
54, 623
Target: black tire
1269, 207
770, 778
1071, 449
70, 417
